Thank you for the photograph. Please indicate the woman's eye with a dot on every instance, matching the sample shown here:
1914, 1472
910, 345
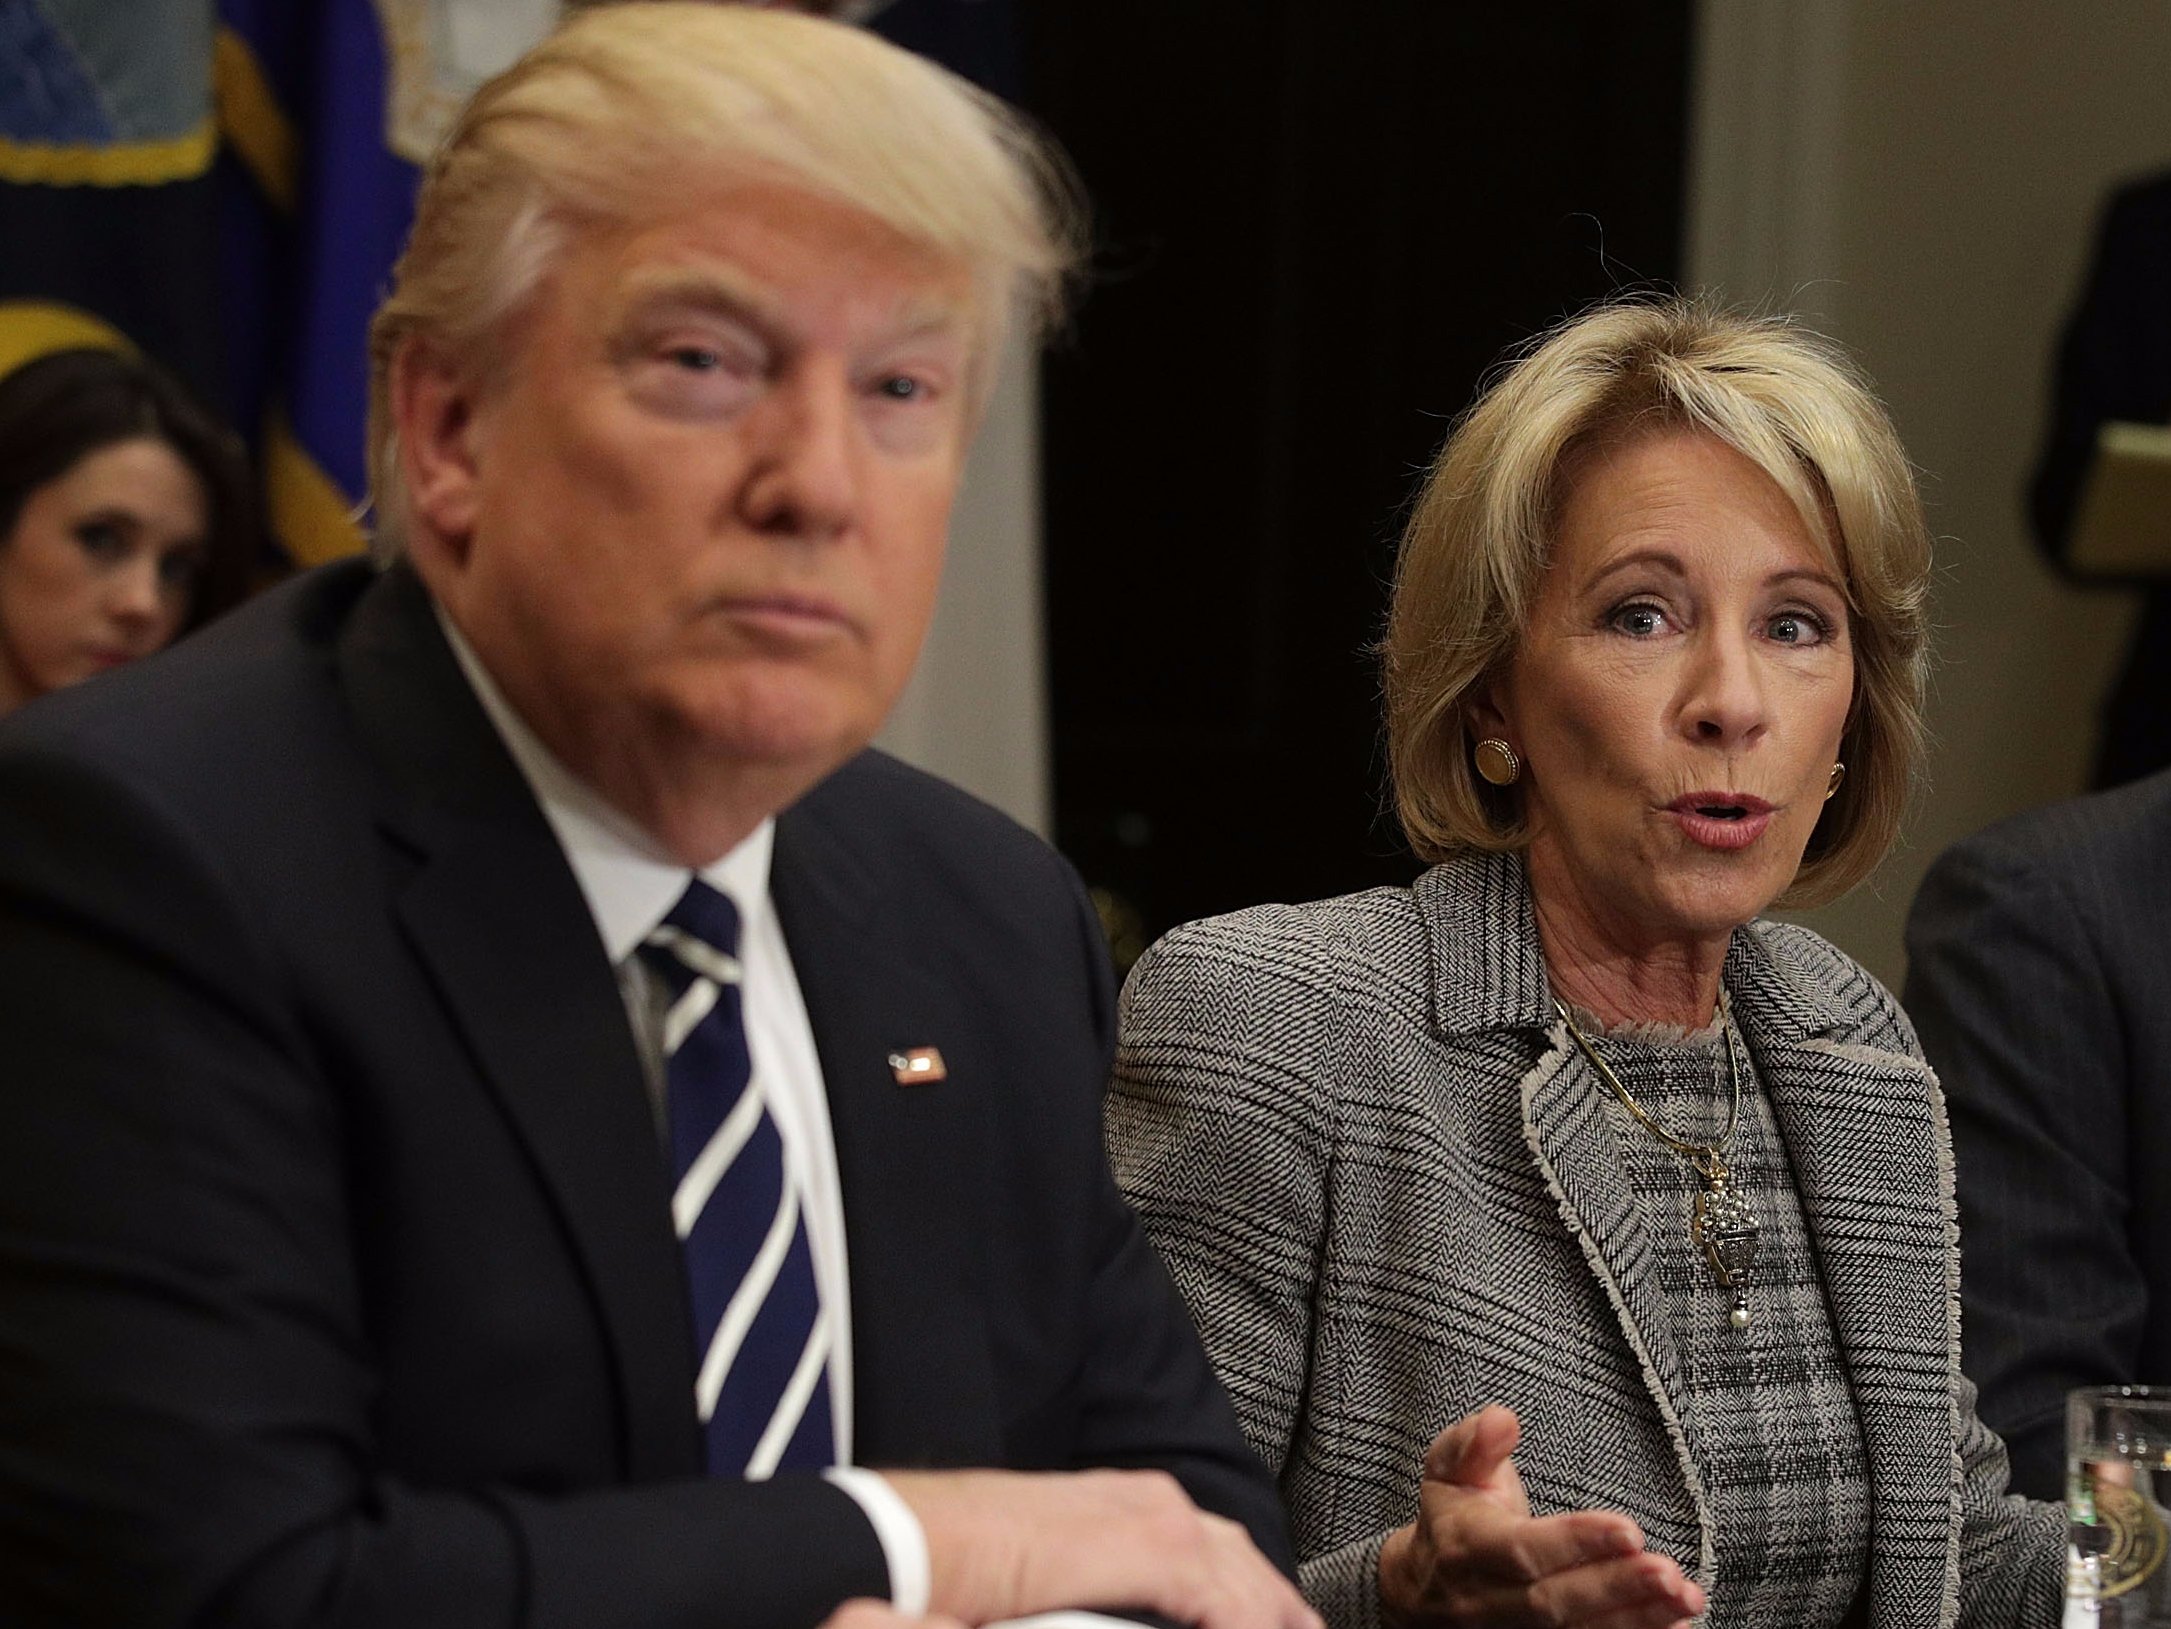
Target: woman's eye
902, 387
1797, 628
180, 569
102, 540
1639, 621
697, 358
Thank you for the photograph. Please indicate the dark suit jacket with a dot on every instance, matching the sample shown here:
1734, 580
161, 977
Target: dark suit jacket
337, 1282
2114, 362
2039, 978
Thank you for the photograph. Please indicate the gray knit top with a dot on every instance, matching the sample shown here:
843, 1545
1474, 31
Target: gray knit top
1768, 1412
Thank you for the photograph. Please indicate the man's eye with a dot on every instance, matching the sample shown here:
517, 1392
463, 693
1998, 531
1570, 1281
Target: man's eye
697, 358
902, 387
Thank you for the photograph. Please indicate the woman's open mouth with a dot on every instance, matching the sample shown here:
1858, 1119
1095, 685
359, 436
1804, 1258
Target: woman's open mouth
1721, 820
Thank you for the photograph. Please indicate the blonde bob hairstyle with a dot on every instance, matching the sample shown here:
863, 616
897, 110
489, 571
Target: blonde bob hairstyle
626, 109
1479, 537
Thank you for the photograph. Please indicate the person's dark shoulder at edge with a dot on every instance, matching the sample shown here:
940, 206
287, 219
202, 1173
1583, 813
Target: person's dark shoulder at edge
2127, 826
2144, 196
919, 827
214, 700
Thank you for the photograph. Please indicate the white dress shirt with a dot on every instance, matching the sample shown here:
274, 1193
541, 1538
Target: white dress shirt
630, 885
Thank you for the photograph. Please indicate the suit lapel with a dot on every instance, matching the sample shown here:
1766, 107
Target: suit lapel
1864, 1133
495, 914
922, 1373
1489, 975
1580, 1157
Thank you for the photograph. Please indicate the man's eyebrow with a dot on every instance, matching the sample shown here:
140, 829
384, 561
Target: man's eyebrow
926, 314
715, 292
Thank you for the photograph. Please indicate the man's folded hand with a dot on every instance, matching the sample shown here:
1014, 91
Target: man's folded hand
1005, 1544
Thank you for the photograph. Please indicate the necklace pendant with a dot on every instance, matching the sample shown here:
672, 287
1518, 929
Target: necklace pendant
1725, 1226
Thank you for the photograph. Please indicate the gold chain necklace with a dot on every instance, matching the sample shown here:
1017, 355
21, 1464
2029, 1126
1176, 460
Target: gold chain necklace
1722, 1224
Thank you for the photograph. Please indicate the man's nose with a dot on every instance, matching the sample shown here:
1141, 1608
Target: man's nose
1725, 704
805, 476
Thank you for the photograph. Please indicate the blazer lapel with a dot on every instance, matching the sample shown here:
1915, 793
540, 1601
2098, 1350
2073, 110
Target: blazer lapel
1489, 974
495, 914
922, 1373
1864, 1131
1573, 1140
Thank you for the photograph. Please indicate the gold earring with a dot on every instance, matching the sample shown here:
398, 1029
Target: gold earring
1833, 780
1497, 762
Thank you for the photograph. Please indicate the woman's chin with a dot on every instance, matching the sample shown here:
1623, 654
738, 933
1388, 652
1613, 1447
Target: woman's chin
1704, 899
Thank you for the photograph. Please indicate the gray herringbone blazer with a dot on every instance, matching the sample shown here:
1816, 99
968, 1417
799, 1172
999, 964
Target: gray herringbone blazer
1390, 1191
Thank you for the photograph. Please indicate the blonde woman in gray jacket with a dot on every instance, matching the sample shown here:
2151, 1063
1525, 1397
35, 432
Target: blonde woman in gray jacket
1567, 1126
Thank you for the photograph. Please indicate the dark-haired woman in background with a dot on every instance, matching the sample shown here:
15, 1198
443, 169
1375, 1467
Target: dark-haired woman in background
1568, 1126
124, 518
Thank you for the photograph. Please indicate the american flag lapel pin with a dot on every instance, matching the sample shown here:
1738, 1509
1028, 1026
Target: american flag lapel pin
918, 1066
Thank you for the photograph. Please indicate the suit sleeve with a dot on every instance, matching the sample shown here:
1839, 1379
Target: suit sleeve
2012, 1006
186, 1380
2012, 1548
1153, 1400
1219, 1125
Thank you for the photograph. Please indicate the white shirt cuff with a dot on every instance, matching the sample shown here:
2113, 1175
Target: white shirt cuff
896, 1529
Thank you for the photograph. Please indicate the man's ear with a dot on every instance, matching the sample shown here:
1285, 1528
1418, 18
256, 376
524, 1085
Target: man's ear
433, 410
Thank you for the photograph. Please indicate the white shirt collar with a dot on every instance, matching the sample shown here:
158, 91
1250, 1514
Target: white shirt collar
630, 883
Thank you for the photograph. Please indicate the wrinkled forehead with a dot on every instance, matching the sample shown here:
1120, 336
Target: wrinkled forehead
1794, 478
780, 257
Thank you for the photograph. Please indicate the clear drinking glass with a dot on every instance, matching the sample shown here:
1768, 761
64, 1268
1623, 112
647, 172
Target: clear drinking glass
2117, 1474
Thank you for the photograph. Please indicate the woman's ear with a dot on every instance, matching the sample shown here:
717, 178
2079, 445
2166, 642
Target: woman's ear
1486, 716
433, 411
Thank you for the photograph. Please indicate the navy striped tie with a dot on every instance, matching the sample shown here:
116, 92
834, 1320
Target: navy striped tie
762, 1387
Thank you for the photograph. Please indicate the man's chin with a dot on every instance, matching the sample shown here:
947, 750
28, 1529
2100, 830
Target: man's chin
807, 741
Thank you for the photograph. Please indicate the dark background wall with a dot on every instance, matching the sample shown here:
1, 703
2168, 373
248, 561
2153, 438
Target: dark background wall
1320, 225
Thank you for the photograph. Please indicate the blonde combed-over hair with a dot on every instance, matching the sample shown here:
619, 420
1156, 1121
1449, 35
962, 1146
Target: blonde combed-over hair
1480, 536
627, 106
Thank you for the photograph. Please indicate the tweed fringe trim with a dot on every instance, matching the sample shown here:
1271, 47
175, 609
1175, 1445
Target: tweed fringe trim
1548, 1067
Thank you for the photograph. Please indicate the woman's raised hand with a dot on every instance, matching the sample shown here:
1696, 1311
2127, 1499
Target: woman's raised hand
1476, 1556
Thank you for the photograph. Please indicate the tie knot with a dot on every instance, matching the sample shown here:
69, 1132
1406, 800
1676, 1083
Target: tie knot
704, 915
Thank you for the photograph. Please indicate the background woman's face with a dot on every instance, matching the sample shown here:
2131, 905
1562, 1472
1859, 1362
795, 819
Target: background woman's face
1679, 694
101, 567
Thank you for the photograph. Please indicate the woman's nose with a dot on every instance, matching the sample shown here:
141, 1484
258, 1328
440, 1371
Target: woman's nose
134, 593
1725, 703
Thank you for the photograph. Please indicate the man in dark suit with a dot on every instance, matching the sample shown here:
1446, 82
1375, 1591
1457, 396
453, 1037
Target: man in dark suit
508, 1109
2039, 979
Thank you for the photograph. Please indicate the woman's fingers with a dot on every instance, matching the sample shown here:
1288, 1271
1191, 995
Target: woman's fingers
1525, 1549
1476, 1555
1474, 1451
1642, 1591
1631, 1592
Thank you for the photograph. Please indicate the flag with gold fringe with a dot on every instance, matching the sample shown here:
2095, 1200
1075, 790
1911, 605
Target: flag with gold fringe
327, 110
225, 185
108, 210
316, 205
